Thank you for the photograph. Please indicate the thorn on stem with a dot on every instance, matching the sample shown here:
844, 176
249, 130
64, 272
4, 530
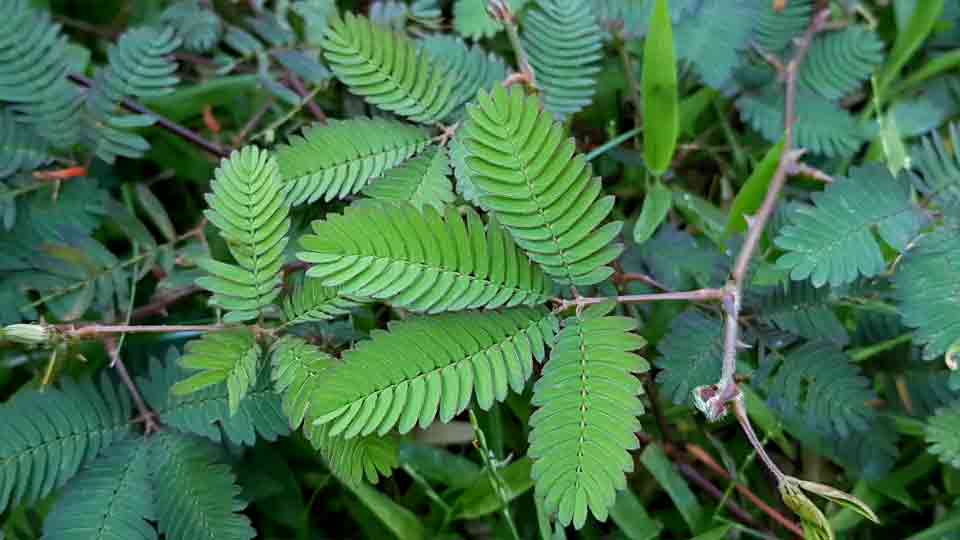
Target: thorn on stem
447, 133
577, 298
517, 78
149, 421
500, 11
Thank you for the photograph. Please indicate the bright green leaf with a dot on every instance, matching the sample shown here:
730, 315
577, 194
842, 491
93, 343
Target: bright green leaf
751, 194
676, 487
481, 499
660, 99
634, 521
656, 206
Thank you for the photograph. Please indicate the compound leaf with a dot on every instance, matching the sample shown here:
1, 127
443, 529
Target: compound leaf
231, 356
833, 240
690, 355
197, 497
583, 431
431, 367
943, 435
926, 287
110, 499
206, 412
421, 180
387, 70
565, 48
247, 206
46, 437
339, 158
528, 173
421, 261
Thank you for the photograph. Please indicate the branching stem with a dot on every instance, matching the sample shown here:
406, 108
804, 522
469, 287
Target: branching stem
305, 95
167, 124
679, 454
726, 386
150, 424
502, 13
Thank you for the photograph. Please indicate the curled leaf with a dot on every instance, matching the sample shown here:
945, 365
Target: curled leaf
815, 524
841, 498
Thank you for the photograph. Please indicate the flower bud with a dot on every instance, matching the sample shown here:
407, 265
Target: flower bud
815, 524
28, 334
952, 358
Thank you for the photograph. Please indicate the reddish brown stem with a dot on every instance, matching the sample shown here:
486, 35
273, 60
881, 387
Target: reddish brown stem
253, 122
165, 123
702, 456
694, 451
740, 411
147, 416
501, 11
160, 304
802, 169
698, 295
312, 106
710, 489
726, 386
93, 331
642, 278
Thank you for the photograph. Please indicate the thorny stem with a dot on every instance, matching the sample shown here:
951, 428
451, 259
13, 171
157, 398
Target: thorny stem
148, 417
312, 106
167, 124
726, 386
253, 122
500, 11
447, 133
196, 232
802, 169
304, 100
698, 295
740, 411
93, 331
160, 304
627, 277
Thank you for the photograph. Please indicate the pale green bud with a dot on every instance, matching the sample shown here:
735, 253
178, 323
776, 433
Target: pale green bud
27, 334
815, 524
